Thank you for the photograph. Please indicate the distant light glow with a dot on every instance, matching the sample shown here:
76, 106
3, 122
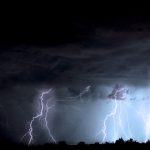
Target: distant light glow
126, 118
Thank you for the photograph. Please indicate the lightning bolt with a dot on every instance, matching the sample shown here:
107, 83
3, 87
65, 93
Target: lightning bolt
116, 115
86, 90
111, 114
39, 115
43, 113
46, 123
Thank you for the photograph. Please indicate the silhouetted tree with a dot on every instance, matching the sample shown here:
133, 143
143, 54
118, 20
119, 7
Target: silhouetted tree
119, 141
96, 143
81, 143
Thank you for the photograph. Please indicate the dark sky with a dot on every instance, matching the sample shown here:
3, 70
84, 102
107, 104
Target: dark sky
74, 46
67, 53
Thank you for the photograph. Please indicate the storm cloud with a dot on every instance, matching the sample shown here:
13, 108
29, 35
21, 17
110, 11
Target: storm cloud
99, 56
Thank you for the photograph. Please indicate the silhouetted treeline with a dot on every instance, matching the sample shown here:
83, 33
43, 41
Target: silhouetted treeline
62, 145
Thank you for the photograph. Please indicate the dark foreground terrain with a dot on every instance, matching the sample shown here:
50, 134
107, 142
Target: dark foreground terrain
120, 144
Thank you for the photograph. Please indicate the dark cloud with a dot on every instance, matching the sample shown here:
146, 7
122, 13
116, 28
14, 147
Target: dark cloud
111, 54
80, 53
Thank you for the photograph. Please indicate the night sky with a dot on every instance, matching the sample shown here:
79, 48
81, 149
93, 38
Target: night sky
68, 53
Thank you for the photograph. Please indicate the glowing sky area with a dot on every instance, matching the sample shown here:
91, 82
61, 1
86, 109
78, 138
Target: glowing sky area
104, 120
127, 122
127, 118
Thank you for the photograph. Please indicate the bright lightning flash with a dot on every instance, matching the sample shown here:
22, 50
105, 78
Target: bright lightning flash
43, 113
44, 108
117, 116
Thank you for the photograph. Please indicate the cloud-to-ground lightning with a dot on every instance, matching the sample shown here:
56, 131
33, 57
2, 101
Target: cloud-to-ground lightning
111, 114
44, 107
46, 122
128, 116
44, 112
118, 116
